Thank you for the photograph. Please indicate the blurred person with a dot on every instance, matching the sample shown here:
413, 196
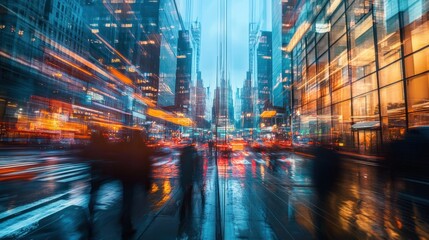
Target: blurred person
210, 147
135, 170
325, 174
129, 162
273, 155
199, 176
408, 161
188, 159
97, 155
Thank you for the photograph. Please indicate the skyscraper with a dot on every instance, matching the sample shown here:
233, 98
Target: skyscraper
141, 39
200, 103
247, 102
264, 71
183, 72
277, 79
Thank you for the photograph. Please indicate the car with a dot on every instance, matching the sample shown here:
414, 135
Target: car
257, 145
238, 144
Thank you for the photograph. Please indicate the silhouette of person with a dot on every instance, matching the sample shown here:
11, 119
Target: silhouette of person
187, 168
210, 147
409, 166
136, 168
325, 175
95, 153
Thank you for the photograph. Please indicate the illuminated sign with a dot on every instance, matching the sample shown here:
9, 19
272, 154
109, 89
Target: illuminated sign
323, 27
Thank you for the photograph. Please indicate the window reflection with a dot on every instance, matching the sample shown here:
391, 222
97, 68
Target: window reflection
392, 100
418, 93
393, 127
364, 85
387, 20
365, 108
362, 51
417, 63
339, 66
390, 74
416, 25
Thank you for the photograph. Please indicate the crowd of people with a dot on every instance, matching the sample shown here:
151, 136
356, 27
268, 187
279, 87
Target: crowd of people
130, 162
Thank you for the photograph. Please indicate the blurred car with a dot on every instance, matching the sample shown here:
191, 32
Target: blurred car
185, 142
224, 148
238, 144
257, 145
284, 143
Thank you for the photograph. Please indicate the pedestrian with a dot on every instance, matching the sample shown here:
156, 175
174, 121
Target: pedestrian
187, 176
135, 170
325, 175
408, 162
210, 147
97, 155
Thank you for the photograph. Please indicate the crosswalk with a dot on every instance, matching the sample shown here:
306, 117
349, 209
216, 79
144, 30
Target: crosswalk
65, 173
60, 172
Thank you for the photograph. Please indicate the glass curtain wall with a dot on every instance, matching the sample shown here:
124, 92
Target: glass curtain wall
361, 71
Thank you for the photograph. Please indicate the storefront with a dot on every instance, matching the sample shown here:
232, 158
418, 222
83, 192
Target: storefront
367, 137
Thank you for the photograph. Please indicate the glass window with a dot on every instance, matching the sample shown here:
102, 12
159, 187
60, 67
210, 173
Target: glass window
416, 24
339, 66
418, 93
324, 124
393, 127
418, 118
364, 85
322, 67
392, 100
387, 22
311, 57
337, 14
342, 111
312, 91
338, 29
362, 49
341, 94
390, 74
322, 45
323, 88
311, 108
310, 40
365, 108
341, 118
324, 101
417, 63
358, 11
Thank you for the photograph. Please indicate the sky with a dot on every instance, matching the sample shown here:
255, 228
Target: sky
206, 11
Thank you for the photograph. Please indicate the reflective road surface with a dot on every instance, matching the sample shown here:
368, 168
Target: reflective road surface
249, 195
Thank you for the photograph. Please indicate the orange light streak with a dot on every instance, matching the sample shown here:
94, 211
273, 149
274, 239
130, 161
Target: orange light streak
69, 63
121, 76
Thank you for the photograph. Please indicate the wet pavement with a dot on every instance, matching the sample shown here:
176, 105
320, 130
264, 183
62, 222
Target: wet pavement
45, 194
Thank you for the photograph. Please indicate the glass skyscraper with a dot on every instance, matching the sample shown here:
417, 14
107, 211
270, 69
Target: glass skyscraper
360, 70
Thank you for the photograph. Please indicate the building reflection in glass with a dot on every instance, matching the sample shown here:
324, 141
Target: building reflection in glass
363, 78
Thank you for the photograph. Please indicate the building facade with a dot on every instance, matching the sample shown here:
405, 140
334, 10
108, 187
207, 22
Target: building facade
183, 73
247, 101
51, 86
360, 70
276, 53
200, 103
264, 70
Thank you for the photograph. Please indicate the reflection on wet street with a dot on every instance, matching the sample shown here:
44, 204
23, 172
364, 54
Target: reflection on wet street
247, 195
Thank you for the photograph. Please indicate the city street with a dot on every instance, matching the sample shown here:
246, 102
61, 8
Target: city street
45, 195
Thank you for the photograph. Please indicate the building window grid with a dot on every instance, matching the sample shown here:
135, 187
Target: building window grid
403, 77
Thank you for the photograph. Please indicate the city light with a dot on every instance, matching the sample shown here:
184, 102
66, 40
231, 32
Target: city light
180, 119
